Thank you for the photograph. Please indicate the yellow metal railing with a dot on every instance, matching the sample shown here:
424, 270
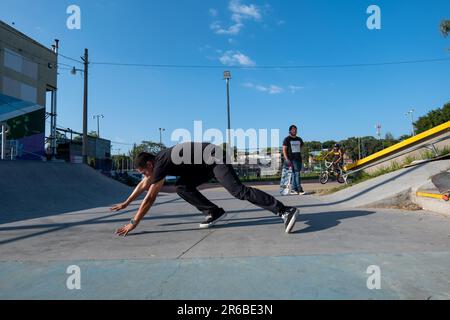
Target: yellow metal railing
401, 146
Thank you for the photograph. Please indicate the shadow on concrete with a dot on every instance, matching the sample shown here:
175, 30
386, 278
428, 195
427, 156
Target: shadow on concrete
327, 220
316, 222
54, 227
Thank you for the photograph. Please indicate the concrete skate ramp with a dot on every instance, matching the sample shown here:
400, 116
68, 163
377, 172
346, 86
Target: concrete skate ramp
31, 189
442, 181
388, 187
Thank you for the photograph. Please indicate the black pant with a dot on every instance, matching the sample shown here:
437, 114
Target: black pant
186, 187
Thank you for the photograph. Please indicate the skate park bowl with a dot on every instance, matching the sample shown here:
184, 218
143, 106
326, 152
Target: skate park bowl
31, 189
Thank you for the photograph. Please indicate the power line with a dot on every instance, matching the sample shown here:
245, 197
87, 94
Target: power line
179, 66
69, 58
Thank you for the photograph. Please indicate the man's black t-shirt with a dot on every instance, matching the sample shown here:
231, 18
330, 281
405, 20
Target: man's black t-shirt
293, 147
186, 159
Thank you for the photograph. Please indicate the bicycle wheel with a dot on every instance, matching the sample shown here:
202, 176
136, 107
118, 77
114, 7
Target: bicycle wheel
324, 177
341, 179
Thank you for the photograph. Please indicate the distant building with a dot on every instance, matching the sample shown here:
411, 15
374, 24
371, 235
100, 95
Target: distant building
98, 151
27, 77
258, 164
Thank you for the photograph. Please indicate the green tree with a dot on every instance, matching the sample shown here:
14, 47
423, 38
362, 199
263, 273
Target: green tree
350, 147
145, 146
433, 118
389, 136
389, 140
445, 27
328, 144
404, 137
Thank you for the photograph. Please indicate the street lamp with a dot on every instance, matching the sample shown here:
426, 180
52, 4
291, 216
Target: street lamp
160, 136
227, 77
411, 114
85, 59
98, 116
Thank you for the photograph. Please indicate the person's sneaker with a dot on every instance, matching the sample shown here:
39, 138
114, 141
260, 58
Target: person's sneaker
289, 217
212, 219
301, 192
293, 192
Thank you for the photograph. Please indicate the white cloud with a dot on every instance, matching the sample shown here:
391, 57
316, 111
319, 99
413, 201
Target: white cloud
294, 89
242, 11
239, 13
271, 89
232, 58
233, 30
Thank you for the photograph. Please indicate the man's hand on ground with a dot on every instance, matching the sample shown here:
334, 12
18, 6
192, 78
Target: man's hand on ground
125, 229
118, 207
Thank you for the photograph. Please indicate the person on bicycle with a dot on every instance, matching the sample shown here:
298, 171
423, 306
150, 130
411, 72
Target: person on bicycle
338, 159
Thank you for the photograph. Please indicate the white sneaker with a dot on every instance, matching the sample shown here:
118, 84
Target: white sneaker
289, 218
213, 219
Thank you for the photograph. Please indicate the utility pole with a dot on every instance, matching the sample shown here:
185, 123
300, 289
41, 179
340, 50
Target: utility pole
411, 113
227, 77
359, 148
160, 136
98, 116
85, 106
53, 108
378, 127
4, 128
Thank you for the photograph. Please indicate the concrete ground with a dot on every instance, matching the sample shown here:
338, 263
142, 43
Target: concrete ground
329, 255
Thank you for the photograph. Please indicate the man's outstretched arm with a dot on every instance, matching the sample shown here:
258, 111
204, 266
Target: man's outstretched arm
144, 185
143, 209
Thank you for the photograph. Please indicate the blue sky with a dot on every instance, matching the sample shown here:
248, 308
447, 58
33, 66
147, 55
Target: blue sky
326, 103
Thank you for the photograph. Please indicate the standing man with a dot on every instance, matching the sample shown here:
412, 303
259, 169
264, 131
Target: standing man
195, 164
293, 158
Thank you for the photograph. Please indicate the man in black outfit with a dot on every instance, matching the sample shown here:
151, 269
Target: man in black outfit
195, 164
293, 158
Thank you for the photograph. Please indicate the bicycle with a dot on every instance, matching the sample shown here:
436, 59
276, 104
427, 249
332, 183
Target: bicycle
330, 172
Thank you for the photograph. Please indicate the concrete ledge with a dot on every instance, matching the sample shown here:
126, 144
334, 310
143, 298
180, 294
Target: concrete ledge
429, 198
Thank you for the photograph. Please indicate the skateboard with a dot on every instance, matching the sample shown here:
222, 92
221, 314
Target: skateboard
285, 182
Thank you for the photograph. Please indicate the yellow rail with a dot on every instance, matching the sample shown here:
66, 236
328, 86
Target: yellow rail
432, 195
401, 145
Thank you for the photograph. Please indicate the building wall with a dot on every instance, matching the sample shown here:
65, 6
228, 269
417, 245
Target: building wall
27, 71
